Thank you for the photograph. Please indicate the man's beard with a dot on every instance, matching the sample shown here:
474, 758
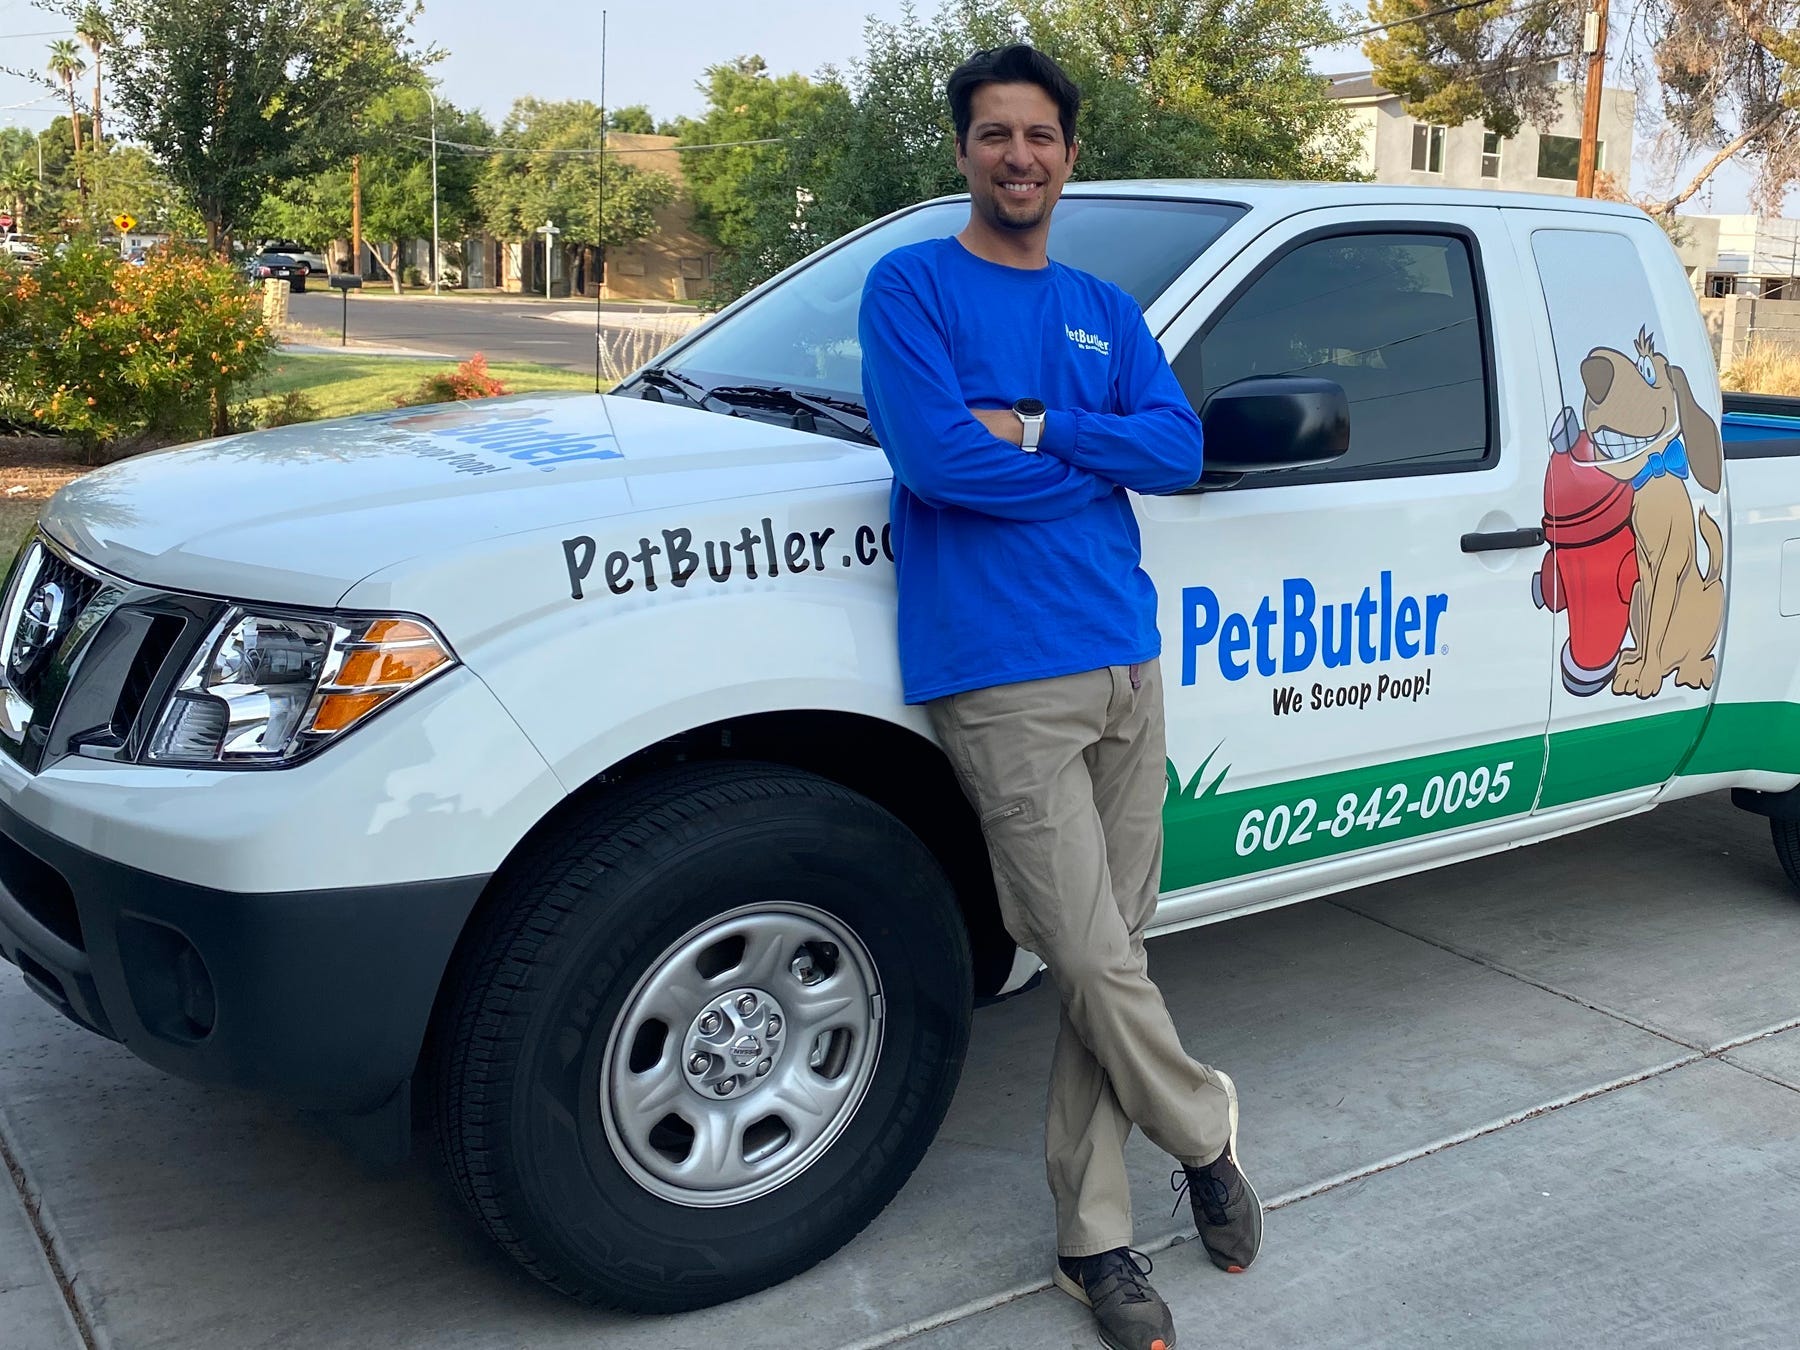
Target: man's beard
999, 217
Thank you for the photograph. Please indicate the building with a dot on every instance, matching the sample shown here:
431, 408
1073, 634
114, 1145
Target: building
672, 263
1398, 148
1756, 256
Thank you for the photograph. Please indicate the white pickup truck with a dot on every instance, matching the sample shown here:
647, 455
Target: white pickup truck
539, 765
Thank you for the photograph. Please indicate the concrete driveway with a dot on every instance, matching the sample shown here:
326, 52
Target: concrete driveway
1551, 1097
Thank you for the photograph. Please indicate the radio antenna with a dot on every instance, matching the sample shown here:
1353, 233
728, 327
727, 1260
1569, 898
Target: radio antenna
600, 211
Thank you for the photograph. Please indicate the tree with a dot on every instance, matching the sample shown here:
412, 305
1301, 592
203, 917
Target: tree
552, 169
634, 119
396, 172
19, 190
1170, 88
67, 65
1196, 88
96, 30
1726, 72
234, 96
743, 104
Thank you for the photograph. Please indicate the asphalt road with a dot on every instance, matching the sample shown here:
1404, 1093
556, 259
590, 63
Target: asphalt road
1551, 1097
502, 330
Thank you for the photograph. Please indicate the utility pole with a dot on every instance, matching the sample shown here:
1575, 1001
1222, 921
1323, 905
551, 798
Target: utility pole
1593, 44
356, 215
434, 192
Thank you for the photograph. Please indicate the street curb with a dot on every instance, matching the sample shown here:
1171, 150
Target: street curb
393, 353
616, 319
83, 1317
369, 292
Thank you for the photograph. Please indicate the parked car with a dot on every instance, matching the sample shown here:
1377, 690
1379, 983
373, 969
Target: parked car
276, 266
313, 260
541, 764
21, 249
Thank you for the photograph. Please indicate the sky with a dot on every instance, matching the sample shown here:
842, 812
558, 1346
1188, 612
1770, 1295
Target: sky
656, 53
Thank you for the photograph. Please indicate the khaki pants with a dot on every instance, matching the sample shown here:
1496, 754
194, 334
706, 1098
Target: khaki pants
1068, 777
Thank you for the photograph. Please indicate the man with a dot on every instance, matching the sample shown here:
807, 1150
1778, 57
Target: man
1018, 400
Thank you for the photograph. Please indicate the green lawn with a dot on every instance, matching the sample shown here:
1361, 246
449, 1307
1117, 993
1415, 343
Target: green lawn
341, 385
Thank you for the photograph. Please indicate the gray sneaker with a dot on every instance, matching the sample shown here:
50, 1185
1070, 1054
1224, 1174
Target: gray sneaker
1131, 1314
1227, 1210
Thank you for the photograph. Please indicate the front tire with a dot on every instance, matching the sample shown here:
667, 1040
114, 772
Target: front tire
1786, 836
704, 1037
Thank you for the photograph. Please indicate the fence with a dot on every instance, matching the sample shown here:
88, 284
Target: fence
1734, 321
630, 341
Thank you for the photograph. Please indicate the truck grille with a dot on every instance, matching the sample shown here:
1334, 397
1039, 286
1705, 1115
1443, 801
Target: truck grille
44, 607
86, 657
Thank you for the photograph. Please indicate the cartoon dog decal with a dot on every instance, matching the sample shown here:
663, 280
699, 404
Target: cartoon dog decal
1625, 544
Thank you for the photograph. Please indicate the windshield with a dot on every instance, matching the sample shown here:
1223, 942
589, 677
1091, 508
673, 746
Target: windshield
802, 333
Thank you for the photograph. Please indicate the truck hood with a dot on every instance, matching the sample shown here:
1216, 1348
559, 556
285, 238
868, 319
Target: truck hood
300, 514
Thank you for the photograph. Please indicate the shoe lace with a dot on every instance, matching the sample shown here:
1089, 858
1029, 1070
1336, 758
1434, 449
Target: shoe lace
1118, 1272
1209, 1192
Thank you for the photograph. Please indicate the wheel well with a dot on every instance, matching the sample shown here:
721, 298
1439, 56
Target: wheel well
898, 769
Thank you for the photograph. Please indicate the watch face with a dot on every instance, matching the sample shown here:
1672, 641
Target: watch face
1029, 407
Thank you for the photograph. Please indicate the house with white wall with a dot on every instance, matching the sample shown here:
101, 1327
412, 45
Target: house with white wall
1396, 147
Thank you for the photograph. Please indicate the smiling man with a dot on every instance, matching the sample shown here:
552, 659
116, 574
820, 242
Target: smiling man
1020, 402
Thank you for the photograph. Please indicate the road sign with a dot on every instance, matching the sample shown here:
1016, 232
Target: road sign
5, 221
125, 221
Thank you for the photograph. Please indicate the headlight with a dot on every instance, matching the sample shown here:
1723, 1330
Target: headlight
269, 689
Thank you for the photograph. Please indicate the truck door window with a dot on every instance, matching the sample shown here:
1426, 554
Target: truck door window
1394, 318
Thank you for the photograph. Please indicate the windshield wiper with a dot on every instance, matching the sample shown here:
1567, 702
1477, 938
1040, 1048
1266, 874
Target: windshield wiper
841, 412
659, 377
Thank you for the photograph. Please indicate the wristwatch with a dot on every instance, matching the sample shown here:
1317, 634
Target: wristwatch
1030, 412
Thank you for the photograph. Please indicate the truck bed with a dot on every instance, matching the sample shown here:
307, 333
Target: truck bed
1761, 426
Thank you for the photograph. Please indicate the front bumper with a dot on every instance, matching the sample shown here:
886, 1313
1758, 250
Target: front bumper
320, 997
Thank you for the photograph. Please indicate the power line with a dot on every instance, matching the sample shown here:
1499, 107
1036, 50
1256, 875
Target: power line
468, 148
1422, 18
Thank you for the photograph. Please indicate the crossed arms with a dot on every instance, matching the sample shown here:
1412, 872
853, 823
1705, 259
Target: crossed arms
948, 454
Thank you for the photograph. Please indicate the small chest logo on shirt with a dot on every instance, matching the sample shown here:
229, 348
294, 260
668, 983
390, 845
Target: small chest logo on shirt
1088, 342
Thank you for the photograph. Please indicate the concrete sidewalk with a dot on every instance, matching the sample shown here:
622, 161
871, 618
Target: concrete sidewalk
1552, 1097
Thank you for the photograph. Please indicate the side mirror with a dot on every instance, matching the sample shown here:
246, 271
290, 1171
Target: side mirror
1272, 422
346, 281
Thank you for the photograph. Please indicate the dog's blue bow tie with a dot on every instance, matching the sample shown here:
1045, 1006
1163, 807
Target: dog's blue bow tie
1671, 459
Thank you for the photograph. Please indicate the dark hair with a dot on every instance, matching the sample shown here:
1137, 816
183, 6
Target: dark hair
1018, 64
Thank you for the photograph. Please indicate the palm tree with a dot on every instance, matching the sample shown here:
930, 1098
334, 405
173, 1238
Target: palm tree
67, 65
19, 185
93, 28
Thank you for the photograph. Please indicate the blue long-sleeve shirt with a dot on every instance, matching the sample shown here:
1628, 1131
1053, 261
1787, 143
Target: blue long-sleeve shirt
1015, 566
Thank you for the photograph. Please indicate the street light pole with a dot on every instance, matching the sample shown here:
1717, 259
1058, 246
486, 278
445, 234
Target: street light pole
435, 265
549, 231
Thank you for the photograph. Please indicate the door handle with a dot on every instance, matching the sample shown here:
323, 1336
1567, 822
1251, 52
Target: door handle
1502, 539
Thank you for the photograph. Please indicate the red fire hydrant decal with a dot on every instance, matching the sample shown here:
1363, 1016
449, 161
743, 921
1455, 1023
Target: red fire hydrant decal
1591, 567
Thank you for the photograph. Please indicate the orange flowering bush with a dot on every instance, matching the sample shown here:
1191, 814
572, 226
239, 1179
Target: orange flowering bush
468, 380
104, 353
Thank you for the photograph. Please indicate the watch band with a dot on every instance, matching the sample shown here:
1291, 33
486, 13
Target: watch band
1031, 413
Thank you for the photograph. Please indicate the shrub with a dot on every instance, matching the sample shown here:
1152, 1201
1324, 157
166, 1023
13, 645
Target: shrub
289, 409
114, 356
414, 277
469, 380
1765, 368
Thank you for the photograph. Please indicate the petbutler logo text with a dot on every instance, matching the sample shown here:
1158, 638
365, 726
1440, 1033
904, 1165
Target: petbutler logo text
1088, 342
1288, 637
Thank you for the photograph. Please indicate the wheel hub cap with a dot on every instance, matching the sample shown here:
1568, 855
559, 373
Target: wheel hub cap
741, 1055
729, 1041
